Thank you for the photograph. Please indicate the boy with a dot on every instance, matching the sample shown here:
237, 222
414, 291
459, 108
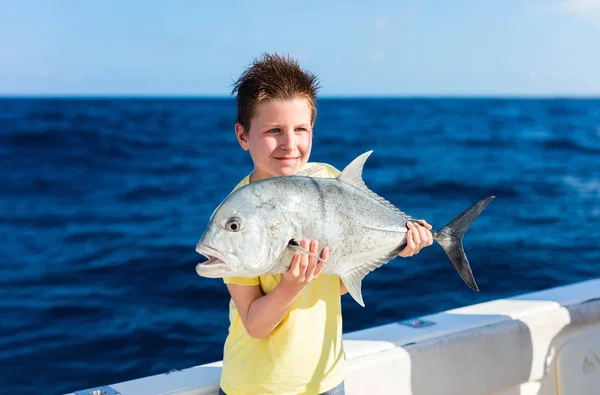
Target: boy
285, 334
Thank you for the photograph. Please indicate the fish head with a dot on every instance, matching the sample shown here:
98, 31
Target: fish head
243, 238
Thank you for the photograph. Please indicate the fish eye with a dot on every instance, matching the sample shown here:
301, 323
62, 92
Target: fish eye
234, 224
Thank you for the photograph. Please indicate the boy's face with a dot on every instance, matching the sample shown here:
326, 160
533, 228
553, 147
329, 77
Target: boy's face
279, 139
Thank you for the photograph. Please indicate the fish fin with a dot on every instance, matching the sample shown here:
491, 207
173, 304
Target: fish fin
353, 279
311, 171
353, 283
295, 246
352, 175
450, 238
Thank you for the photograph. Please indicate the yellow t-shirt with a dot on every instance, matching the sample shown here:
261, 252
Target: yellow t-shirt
303, 354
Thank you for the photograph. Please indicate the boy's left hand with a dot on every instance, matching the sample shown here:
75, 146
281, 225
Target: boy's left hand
417, 237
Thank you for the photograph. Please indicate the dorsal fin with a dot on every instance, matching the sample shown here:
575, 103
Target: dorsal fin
352, 175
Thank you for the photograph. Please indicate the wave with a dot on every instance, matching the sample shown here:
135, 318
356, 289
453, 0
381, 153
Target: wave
450, 188
562, 145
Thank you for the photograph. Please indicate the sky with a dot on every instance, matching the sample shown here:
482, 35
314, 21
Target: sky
357, 48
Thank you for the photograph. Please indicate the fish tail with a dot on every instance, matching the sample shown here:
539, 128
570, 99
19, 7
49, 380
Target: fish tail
450, 238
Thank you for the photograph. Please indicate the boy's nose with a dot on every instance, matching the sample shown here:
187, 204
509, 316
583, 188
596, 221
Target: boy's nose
288, 140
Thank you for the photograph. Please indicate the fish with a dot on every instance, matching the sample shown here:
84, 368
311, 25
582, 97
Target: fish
256, 230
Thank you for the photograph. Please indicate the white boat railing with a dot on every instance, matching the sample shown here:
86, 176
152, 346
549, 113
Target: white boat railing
541, 343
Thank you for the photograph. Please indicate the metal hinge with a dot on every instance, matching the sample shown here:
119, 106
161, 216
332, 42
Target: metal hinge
417, 323
104, 390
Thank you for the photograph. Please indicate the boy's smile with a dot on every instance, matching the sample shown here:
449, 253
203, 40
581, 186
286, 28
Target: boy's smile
279, 139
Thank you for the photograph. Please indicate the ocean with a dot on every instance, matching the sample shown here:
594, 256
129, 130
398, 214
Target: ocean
102, 202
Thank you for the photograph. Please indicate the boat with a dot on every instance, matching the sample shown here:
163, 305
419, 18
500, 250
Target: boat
543, 343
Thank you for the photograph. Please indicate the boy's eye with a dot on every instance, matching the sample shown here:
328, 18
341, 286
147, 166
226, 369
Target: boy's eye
278, 130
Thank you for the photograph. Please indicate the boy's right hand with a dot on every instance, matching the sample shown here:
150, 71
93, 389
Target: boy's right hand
262, 313
304, 268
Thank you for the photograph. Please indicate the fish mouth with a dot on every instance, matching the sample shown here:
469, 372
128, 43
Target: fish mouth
214, 259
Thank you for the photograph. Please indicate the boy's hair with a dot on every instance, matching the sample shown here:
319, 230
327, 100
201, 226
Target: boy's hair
273, 77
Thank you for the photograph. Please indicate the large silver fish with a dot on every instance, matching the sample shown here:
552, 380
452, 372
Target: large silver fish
257, 229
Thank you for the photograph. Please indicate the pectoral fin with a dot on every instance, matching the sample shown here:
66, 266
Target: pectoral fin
353, 283
353, 278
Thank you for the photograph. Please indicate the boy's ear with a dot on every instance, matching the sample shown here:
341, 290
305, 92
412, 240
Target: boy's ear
241, 136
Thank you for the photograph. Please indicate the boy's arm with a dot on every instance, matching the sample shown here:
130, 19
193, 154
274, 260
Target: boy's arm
260, 313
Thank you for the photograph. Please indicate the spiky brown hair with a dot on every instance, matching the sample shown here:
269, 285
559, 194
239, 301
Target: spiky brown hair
273, 77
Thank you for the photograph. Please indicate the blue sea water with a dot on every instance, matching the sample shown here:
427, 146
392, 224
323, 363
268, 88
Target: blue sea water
103, 201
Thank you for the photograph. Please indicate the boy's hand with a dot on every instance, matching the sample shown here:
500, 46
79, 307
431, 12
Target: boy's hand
417, 237
304, 268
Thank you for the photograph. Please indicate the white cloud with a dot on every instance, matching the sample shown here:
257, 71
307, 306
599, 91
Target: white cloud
586, 9
580, 7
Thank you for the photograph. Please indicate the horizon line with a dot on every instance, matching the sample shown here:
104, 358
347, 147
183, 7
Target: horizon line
142, 96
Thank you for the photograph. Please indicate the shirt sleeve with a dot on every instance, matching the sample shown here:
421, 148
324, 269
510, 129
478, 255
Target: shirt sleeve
332, 171
241, 280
